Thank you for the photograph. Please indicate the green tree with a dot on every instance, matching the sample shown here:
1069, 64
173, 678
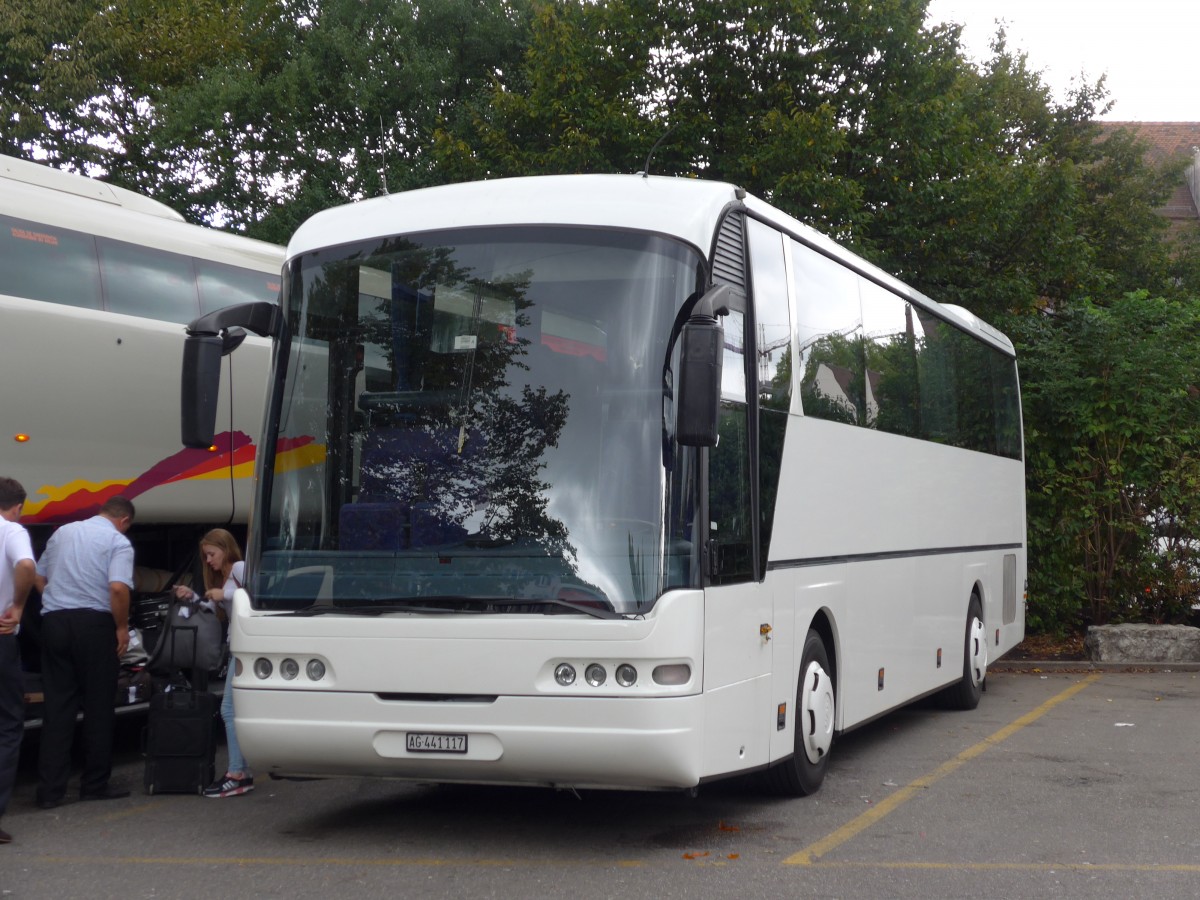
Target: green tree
1126, 238
40, 82
855, 117
574, 102
1112, 426
82, 79
250, 114
337, 100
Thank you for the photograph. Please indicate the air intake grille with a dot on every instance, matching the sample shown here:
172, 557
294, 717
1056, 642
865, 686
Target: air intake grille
1010, 588
729, 259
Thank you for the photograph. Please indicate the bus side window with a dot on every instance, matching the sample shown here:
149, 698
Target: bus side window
829, 336
936, 380
731, 530
772, 336
140, 281
894, 338
43, 262
223, 285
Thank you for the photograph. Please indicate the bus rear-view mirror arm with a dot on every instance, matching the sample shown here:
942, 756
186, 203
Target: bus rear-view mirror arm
209, 338
701, 351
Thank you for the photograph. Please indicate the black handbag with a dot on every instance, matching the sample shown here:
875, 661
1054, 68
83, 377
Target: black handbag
192, 638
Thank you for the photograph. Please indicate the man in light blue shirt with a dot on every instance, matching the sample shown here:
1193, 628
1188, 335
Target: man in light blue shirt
85, 576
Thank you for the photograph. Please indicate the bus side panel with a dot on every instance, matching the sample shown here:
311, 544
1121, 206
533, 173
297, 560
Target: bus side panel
99, 401
738, 661
907, 527
798, 600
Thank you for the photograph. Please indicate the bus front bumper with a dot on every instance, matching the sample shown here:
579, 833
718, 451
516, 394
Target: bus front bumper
595, 742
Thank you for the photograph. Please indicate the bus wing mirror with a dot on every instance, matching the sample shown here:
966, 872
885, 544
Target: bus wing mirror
262, 317
701, 351
200, 385
209, 338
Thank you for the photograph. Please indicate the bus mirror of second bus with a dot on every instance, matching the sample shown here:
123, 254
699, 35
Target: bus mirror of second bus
199, 386
209, 338
702, 348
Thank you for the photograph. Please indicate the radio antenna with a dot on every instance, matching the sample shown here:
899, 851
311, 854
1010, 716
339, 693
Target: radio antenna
645, 173
383, 153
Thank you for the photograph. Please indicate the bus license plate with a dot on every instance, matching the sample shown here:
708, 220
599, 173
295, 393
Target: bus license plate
420, 742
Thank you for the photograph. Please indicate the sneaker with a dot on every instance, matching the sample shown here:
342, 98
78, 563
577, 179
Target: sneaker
230, 786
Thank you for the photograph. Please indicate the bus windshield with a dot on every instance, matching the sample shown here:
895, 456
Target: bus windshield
496, 408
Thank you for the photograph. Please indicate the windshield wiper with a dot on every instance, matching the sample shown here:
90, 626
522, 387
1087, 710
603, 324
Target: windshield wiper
373, 608
451, 604
598, 612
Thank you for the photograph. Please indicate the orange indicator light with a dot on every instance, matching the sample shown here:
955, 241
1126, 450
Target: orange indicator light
212, 448
21, 438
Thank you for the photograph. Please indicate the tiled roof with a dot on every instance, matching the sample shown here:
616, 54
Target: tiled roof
1166, 140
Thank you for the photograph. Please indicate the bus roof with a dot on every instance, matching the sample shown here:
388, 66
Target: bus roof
682, 208
41, 194
32, 173
687, 209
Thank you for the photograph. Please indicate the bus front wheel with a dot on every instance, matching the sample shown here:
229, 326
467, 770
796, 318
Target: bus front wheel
816, 703
967, 691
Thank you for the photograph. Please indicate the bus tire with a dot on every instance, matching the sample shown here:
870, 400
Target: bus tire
966, 692
816, 703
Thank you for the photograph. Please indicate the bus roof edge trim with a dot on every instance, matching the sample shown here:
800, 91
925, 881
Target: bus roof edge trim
27, 172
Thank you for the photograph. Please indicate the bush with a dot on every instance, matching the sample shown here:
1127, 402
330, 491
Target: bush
1112, 437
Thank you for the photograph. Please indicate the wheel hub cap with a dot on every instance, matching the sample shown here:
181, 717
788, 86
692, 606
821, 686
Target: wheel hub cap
977, 652
816, 712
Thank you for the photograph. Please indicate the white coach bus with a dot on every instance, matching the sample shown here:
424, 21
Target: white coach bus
96, 284
628, 482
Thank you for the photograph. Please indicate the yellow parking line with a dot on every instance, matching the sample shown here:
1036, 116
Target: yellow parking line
836, 838
1015, 867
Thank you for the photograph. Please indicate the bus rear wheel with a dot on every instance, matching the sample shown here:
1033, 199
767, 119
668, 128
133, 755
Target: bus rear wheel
967, 691
816, 703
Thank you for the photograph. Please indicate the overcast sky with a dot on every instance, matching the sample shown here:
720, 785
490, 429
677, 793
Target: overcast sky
1149, 49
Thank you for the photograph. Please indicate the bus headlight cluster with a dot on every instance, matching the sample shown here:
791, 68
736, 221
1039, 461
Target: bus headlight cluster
624, 674
289, 669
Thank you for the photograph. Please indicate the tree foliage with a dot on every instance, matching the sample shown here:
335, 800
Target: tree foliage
82, 79
1112, 424
251, 114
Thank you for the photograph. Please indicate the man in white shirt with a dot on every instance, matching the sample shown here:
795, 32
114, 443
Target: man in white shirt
85, 576
17, 574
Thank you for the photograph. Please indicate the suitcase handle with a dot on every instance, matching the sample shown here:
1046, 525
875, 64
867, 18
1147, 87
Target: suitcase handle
199, 680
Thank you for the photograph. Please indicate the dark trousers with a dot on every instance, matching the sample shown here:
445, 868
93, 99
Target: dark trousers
12, 716
79, 671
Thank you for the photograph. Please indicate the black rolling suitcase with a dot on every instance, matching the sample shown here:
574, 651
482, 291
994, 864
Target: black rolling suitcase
180, 746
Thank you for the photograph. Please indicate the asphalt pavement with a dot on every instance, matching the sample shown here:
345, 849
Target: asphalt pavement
1071, 781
